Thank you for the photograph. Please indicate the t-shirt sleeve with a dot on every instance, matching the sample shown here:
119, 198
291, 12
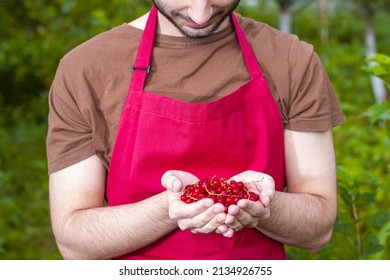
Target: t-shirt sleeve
69, 137
313, 105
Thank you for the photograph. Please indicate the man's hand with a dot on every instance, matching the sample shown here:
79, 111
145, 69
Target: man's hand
204, 216
249, 213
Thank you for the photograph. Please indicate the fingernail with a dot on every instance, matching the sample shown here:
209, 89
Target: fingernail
208, 203
218, 209
176, 185
220, 219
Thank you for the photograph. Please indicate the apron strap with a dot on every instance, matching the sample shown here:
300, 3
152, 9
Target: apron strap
249, 56
143, 61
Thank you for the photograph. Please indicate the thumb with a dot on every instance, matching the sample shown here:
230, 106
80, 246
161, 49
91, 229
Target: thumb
176, 180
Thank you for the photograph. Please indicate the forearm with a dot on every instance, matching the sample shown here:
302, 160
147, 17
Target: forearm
108, 232
304, 216
301, 220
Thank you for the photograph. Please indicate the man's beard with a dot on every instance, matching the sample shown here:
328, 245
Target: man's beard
215, 21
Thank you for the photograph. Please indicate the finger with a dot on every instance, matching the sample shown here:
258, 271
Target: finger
249, 213
229, 233
176, 180
222, 229
266, 194
253, 207
206, 222
245, 214
265, 200
265, 188
230, 220
233, 223
234, 210
180, 210
248, 176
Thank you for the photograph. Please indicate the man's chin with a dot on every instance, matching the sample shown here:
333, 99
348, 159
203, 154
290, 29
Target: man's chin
197, 32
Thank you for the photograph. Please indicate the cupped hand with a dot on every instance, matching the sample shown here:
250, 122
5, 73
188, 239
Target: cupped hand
203, 216
249, 213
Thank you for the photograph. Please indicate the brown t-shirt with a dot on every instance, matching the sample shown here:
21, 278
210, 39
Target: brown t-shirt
92, 81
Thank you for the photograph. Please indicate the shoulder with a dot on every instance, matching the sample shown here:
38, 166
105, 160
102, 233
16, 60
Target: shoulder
296, 77
98, 60
273, 43
103, 48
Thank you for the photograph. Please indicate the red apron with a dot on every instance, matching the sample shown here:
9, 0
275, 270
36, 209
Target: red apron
239, 132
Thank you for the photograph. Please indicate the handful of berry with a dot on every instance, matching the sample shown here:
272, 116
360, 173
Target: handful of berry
220, 190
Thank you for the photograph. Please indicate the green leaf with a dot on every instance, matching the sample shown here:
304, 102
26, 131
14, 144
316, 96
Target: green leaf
378, 219
377, 112
380, 58
371, 245
377, 70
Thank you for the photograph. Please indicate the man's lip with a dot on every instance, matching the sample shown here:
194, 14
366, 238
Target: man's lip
195, 25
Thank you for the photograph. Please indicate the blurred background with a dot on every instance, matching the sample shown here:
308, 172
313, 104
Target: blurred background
352, 38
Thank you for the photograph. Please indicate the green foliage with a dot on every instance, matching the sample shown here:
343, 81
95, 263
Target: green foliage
360, 218
379, 66
362, 229
378, 113
35, 36
38, 33
25, 227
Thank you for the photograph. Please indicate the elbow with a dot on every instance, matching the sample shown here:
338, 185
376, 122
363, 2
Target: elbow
74, 251
68, 252
322, 236
72, 245
69, 248
324, 232
320, 243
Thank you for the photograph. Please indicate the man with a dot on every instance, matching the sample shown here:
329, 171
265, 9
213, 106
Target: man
265, 119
